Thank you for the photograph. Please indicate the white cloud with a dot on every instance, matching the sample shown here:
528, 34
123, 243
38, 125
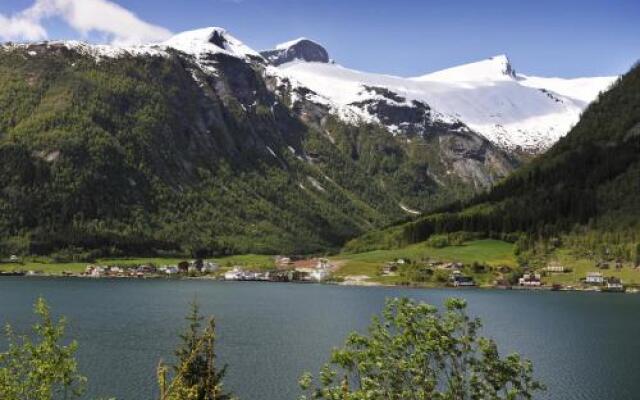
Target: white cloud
85, 16
18, 27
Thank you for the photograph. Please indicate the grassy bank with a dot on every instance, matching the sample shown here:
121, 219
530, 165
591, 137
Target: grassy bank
48, 266
580, 267
492, 253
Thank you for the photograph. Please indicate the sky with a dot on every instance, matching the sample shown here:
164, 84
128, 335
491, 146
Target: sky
565, 38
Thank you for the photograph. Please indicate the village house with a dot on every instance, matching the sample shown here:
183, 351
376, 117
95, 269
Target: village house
390, 268
460, 280
116, 270
530, 280
170, 269
555, 267
234, 274
614, 285
94, 271
319, 274
209, 267
595, 278
282, 261
455, 266
146, 269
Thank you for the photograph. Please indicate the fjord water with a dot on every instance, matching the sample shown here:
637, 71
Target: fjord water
584, 345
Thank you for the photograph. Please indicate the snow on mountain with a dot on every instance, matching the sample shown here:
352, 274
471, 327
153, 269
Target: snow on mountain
496, 68
583, 89
212, 40
200, 43
513, 111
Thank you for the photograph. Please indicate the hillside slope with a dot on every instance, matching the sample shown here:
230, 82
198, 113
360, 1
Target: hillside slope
191, 146
589, 181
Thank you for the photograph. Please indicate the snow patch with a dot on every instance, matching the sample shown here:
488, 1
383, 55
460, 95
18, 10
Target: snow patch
408, 210
316, 184
273, 153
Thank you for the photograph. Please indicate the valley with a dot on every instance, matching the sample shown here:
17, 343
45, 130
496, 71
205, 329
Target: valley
348, 200
200, 147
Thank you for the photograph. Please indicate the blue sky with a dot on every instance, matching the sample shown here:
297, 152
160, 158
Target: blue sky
566, 38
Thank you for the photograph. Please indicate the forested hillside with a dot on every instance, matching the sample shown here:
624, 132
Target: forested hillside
168, 153
587, 187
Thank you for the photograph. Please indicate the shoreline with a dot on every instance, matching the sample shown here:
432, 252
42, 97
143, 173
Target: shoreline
591, 289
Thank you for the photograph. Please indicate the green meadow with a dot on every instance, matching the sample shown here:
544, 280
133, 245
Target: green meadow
493, 253
47, 266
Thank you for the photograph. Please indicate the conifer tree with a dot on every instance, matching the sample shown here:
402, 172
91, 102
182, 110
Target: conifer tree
195, 374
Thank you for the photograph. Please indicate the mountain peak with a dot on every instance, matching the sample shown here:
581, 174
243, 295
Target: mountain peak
291, 43
502, 62
496, 68
210, 40
301, 49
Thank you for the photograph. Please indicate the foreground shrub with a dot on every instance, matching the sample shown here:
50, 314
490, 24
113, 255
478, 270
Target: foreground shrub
416, 352
40, 367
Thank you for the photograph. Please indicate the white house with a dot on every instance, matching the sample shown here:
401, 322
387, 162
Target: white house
171, 270
595, 278
209, 267
319, 274
96, 271
530, 279
233, 275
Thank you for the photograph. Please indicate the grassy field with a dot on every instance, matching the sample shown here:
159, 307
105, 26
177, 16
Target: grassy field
580, 267
489, 252
49, 267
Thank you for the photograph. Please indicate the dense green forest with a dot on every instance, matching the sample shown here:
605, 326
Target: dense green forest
152, 155
584, 191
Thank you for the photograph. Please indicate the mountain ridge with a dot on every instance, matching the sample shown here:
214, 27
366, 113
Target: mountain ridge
201, 145
516, 112
195, 148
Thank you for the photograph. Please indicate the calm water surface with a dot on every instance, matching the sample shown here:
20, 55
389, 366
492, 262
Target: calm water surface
584, 346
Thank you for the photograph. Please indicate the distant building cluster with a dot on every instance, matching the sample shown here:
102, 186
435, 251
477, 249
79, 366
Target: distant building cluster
196, 267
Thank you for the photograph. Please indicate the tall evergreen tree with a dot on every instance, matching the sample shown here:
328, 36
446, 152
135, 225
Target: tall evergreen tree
195, 374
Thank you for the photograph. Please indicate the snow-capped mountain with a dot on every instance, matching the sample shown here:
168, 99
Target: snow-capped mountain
200, 43
514, 111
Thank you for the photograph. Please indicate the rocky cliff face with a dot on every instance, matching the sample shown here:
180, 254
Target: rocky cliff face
298, 50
